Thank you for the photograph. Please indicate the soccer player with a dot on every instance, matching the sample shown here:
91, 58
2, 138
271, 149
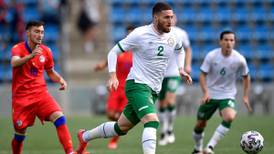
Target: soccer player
117, 98
152, 45
167, 96
219, 72
30, 97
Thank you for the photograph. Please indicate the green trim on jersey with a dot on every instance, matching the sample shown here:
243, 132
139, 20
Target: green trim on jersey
206, 110
180, 47
141, 101
169, 84
120, 47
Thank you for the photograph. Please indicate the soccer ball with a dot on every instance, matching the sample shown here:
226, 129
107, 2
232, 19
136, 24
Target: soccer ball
252, 142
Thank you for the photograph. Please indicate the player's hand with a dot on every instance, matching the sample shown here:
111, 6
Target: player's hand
99, 67
112, 82
247, 105
188, 69
185, 76
205, 98
36, 51
63, 84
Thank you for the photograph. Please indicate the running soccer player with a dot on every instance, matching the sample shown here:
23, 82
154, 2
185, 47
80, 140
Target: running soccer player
30, 97
167, 96
117, 98
219, 72
152, 45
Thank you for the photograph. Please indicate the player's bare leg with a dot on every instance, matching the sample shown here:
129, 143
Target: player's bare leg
105, 130
228, 115
198, 136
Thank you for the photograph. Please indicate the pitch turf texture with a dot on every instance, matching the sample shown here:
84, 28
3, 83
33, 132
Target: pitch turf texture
43, 140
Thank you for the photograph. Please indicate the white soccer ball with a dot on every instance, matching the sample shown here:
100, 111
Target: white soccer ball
252, 142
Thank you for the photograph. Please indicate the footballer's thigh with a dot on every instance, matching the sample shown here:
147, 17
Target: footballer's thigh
49, 109
227, 109
228, 114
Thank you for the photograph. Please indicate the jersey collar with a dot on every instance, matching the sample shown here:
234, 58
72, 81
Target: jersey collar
27, 47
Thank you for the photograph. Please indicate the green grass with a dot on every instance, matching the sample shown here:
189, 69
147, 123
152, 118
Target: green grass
43, 140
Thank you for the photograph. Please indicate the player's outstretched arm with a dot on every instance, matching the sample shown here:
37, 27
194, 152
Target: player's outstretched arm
56, 77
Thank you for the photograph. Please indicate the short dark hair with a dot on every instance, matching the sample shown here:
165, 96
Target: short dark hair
34, 23
130, 27
160, 6
227, 32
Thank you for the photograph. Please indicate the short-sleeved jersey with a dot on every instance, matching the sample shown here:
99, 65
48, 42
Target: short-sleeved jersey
222, 73
172, 70
28, 79
124, 63
151, 54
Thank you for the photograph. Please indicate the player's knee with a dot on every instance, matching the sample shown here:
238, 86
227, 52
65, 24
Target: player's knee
149, 117
229, 118
119, 131
201, 124
55, 115
60, 121
19, 137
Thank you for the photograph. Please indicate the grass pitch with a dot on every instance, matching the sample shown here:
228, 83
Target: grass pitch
43, 139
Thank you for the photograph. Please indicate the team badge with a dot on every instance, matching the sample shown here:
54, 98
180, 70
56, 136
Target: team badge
170, 41
42, 59
19, 123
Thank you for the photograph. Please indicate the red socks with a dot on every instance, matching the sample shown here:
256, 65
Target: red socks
17, 144
65, 138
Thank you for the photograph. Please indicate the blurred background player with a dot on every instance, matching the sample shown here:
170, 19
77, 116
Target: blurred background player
30, 97
88, 21
219, 72
117, 98
167, 96
152, 46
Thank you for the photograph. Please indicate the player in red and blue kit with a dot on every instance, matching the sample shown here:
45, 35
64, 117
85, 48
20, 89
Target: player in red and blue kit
117, 98
30, 96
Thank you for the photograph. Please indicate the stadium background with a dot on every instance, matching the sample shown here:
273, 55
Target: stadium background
252, 20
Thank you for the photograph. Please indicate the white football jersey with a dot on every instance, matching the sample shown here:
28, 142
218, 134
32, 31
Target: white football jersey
222, 73
172, 68
151, 54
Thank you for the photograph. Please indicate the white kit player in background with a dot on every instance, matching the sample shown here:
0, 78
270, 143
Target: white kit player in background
219, 72
167, 96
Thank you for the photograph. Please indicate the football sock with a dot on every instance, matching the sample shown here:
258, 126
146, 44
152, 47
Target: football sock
171, 114
114, 139
63, 134
105, 130
17, 143
149, 137
218, 135
198, 136
163, 120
